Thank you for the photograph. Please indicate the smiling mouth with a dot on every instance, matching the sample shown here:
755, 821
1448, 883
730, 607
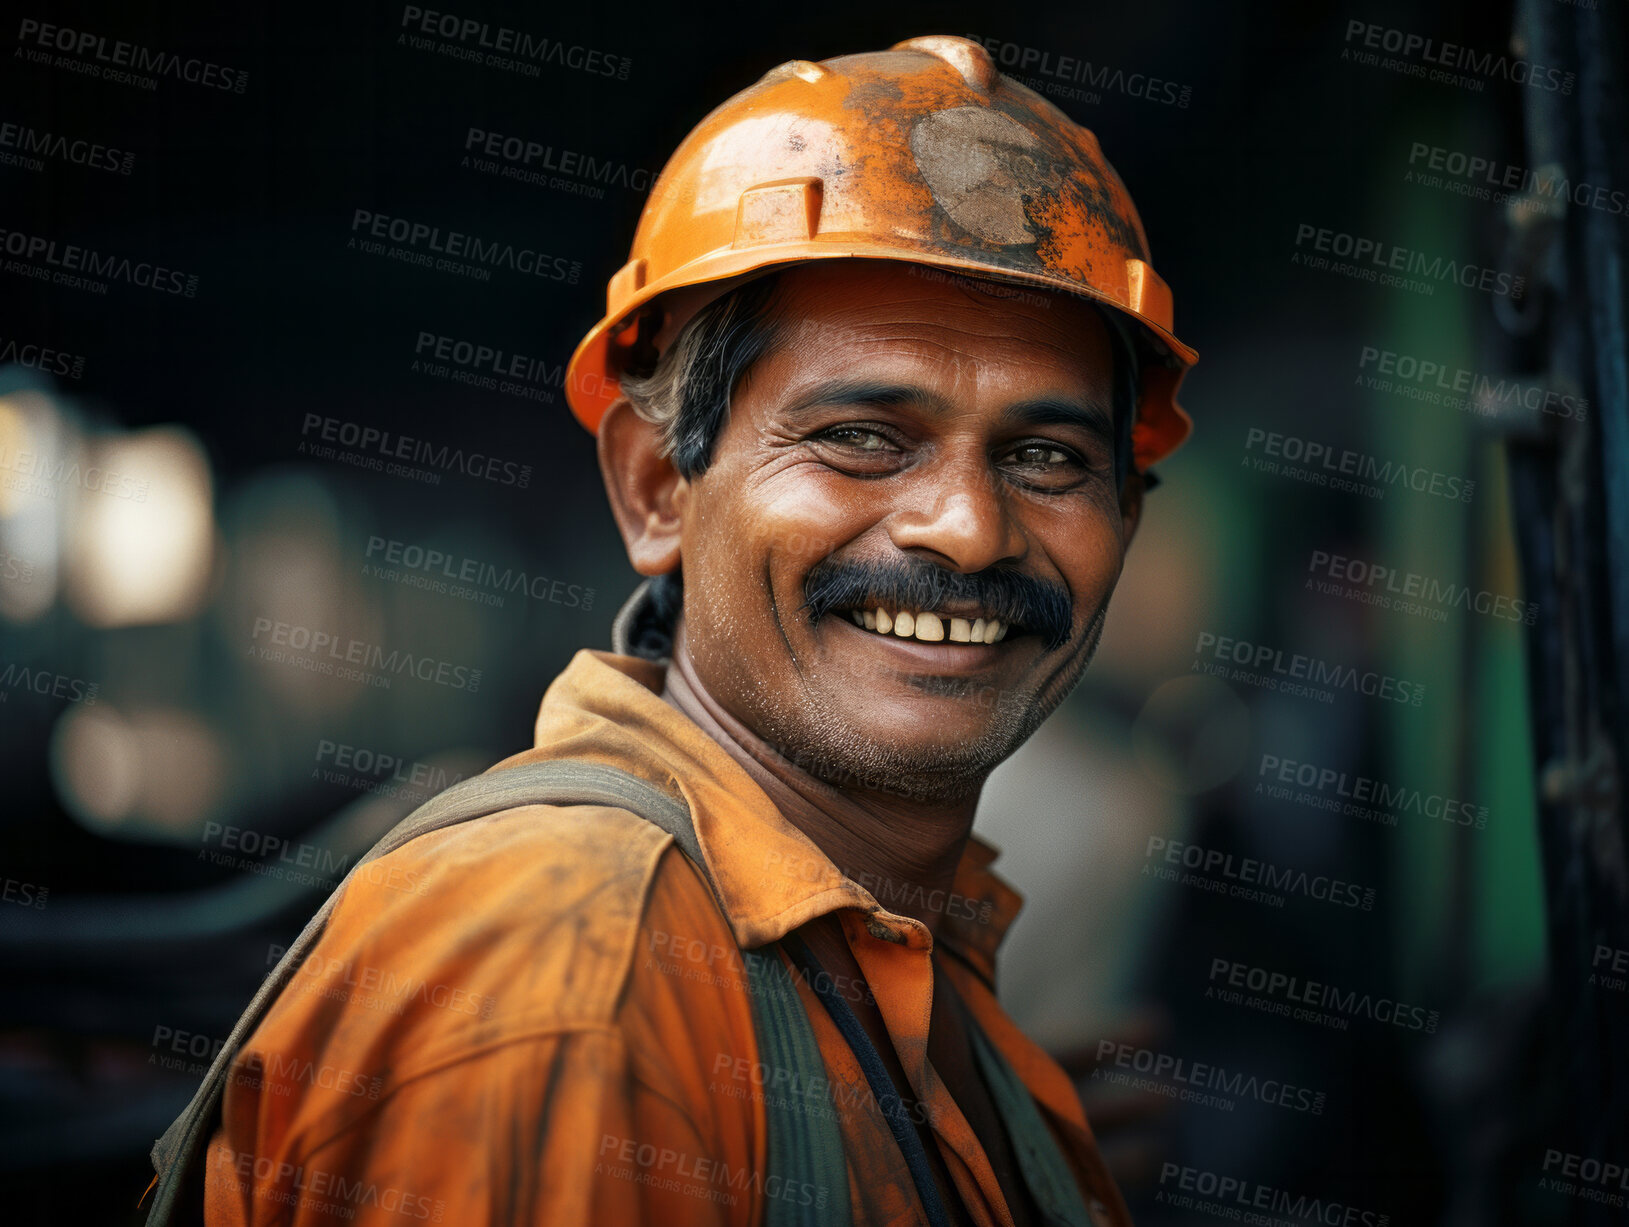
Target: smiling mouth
928, 626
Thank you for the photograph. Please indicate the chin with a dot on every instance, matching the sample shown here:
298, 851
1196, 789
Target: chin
947, 766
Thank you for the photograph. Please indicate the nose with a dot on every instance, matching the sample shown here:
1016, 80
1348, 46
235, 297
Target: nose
955, 509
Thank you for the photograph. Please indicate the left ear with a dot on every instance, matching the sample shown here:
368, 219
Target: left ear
1131, 505
647, 493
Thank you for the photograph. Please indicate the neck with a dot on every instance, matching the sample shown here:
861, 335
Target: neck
904, 852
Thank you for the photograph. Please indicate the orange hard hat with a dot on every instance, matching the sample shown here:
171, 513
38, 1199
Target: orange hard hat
923, 153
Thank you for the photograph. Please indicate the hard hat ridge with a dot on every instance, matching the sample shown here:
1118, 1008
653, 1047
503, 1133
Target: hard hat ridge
924, 153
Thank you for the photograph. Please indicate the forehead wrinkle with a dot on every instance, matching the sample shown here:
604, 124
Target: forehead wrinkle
1051, 409
1088, 414
811, 341
934, 348
810, 293
900, 378
933, 357
936, 330
858, 390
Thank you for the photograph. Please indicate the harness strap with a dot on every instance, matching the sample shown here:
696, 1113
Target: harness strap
805, 1144
1040, 1162
805, 1147
890, 1102
1039, 1159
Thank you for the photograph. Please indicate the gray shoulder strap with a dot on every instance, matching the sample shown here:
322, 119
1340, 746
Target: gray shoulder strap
556, 782
805, 1147
622, 626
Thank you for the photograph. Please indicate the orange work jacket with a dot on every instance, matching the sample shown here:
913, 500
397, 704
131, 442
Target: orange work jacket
540, 1017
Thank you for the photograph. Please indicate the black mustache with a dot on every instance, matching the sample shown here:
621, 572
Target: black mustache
912, 583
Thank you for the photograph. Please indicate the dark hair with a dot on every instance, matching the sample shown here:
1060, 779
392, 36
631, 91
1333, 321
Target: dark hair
687, 392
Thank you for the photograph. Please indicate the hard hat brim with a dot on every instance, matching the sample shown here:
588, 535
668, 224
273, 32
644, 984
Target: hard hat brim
591, 383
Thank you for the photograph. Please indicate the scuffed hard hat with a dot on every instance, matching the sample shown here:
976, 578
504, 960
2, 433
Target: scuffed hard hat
924, 153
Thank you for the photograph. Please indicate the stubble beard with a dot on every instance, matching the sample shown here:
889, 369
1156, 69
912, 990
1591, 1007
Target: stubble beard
833, 748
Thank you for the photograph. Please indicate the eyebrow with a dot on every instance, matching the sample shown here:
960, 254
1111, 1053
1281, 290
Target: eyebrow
1043, 411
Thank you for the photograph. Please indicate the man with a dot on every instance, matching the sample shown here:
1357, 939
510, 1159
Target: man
874, 399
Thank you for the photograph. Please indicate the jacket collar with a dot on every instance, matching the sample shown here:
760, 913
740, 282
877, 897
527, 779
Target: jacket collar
771, 878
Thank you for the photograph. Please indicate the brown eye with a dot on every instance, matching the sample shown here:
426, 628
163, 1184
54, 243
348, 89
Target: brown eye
856, 437
1043, 465
1041, 455
1035, 453
861, 449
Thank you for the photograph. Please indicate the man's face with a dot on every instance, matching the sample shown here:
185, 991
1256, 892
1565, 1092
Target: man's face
906, 422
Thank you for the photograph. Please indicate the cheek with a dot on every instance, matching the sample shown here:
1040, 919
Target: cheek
801, 515
737, 529
1102, 576
1089, 558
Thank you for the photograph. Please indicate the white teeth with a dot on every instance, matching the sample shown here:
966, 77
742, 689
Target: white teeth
929, 627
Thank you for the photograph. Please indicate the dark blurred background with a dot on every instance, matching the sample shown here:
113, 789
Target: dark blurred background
187, 493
